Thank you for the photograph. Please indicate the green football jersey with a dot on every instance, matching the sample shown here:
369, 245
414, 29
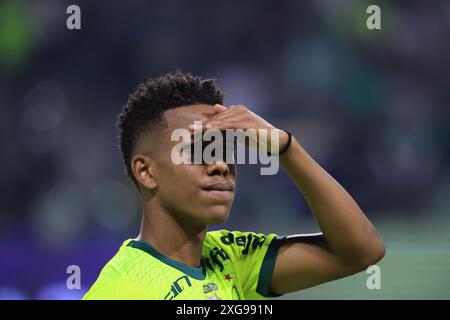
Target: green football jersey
234, 265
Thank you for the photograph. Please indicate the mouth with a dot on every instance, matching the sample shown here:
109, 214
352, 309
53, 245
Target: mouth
221, 189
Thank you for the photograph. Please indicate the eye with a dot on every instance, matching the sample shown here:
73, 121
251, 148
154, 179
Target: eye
228, 155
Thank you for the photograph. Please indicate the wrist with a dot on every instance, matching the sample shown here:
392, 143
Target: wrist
285, 141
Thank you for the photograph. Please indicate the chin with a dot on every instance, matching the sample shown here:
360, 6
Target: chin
217, 215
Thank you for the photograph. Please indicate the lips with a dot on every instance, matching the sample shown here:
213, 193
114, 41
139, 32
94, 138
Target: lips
219, 186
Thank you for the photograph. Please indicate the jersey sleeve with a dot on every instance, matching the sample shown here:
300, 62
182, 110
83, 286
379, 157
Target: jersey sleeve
119, 289
254, 258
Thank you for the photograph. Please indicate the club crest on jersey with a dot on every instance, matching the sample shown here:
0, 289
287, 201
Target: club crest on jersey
209, 287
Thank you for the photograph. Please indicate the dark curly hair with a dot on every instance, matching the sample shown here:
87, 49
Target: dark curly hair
143, 112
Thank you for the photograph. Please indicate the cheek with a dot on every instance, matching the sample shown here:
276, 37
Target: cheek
180, 180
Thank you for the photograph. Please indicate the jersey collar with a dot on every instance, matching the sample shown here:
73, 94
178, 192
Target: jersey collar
198, 273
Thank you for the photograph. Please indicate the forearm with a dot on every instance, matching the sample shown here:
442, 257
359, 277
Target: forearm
346, 229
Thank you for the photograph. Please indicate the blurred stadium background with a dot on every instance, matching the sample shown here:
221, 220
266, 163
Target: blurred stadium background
371, 106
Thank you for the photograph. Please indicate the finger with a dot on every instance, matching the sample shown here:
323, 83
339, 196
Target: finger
222, 115
220, 124
220, 120
230, 122
218, 108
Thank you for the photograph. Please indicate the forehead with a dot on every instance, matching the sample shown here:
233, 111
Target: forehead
182, 117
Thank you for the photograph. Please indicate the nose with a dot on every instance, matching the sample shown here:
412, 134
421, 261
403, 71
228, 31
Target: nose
217, 168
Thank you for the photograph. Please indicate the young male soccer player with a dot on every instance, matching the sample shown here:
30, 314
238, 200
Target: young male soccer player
174, 256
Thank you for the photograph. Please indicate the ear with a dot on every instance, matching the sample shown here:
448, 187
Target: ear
143, 170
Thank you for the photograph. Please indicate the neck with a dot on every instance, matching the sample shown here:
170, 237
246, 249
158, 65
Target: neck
178, 241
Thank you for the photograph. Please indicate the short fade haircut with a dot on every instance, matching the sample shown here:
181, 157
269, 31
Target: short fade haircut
144, 110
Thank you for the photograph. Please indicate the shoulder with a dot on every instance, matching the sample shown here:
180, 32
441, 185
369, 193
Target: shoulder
130, 267
130, 260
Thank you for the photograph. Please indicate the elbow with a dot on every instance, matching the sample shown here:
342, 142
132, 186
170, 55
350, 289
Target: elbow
373, 254
377, 253
373, 249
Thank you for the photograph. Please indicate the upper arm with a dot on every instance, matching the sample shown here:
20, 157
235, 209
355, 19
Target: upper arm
253, 256
305, 261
